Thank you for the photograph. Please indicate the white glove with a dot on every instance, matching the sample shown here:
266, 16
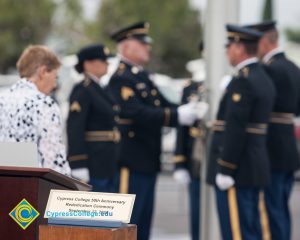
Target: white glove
187, 113
224, 182
182, 176
202, 108
82, 174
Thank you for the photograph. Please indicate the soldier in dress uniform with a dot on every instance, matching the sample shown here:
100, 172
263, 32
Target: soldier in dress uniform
144, 111
93, 135
189, 153
281, 139
239, 165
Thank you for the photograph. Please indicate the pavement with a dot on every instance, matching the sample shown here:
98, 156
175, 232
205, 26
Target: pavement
171, 210
171, 218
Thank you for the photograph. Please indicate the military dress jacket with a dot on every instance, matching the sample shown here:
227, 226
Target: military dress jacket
93, 136
238, 146
281, 140
191, 141
144, 111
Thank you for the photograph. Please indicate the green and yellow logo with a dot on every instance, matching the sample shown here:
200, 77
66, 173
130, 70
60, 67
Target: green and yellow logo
24, 214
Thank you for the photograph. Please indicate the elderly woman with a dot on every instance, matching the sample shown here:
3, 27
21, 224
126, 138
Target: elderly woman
27, 114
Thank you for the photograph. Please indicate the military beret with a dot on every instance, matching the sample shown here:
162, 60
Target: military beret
91, 52
263, 26
137, 31
242, 34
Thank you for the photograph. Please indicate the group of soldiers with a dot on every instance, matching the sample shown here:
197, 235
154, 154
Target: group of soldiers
114, 132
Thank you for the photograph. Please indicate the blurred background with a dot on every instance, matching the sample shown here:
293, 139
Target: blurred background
177, 27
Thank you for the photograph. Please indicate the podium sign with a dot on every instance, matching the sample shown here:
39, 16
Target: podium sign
89, 208
25, 192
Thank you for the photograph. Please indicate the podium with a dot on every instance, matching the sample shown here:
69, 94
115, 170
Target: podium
48, 232
33, 184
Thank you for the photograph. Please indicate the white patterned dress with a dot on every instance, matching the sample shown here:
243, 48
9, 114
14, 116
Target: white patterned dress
27, 115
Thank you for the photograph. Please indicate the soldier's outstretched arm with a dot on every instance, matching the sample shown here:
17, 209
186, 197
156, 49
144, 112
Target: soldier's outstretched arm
134, 107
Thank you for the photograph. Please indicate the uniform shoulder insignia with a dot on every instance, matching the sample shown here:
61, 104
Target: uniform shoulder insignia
86, 82
236, 97
245, 72
135, 70
121, 68
75, 107
126, 92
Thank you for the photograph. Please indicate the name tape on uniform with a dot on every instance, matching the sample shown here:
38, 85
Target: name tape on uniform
80, 205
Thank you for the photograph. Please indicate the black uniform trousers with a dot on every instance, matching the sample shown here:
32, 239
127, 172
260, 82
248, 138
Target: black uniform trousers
194, 194
143, 185
276, 197
238, 211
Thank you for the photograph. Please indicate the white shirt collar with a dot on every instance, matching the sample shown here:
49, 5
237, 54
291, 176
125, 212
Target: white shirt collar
29, 84
272, 53
94, 78
245, 63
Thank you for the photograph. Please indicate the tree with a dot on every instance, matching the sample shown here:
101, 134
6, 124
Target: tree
21, 24
268, 10
175, 29
68, 25
293, 35
29, 22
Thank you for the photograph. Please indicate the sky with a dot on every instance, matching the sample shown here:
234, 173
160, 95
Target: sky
287, 12
90, 8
